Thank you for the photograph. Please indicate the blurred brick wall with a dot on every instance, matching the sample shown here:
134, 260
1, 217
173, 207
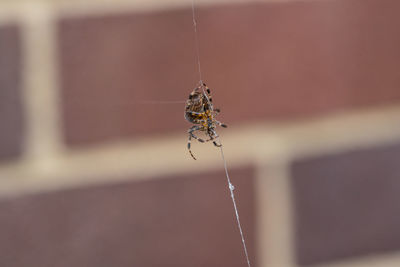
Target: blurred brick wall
309, 88
280, 60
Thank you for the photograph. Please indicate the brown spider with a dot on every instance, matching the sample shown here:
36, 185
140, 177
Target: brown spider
199, 110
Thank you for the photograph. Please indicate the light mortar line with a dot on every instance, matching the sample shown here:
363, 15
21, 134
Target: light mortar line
274, 213
156, 157
382, 260
41, 98
111, 163
10, 13
10, 10
346, 131
71, 8
68, 8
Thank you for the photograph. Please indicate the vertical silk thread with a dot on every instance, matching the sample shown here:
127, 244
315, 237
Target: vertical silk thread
230, 185
231, 188
196, 42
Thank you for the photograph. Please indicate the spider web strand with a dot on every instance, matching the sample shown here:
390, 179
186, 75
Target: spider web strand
196, 41
230, 185
231, 188
161, 102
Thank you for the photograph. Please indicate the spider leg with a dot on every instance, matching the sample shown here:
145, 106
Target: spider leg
213, 135
208, 140
208, 92
221, 124
191, 130
188, 145
216, 144
191, 134
195, 113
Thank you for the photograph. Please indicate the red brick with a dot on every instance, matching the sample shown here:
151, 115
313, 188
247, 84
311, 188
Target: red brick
347, 205
263, 61
11, 117
174, 221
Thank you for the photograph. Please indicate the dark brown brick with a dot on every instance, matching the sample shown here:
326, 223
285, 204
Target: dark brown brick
174, 221
347, 204
11, 117
263, 61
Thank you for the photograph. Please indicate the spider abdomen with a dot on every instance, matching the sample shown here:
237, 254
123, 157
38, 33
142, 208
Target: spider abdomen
199, 111
193, 118
196, 106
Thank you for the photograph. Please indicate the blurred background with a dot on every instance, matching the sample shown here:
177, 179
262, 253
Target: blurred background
94, 169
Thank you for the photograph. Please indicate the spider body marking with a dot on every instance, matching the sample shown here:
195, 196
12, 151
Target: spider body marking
200, 111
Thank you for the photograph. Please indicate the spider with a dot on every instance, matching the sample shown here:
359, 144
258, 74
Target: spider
199, 110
